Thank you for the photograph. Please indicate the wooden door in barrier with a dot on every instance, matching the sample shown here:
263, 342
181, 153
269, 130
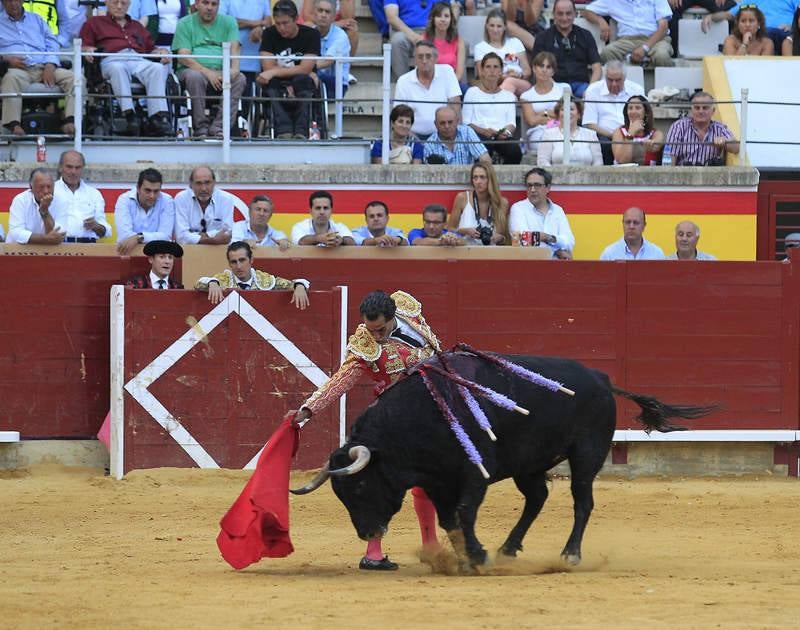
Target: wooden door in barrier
206, 385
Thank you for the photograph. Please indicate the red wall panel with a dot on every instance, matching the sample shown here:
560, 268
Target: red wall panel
724, 332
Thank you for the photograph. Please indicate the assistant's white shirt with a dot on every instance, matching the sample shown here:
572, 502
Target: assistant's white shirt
155, 224
524, 217
423, 100
24, 218
188, 214
608, 113
85, 203
306, 228
490, 111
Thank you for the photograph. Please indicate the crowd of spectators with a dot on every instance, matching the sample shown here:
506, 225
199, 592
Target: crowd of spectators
69, 210
537, 62
566, 56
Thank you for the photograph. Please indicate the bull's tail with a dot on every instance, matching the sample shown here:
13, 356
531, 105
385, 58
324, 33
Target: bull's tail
655, 414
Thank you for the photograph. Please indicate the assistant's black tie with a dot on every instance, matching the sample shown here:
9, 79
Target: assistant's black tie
161, 284
407, 338
243, 285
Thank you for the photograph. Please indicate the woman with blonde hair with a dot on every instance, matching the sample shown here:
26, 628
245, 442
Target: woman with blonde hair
480, 215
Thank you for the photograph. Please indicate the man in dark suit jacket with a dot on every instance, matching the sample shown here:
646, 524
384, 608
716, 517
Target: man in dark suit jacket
161, 255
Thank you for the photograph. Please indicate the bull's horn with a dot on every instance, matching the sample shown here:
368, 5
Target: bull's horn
316, 482
360, 456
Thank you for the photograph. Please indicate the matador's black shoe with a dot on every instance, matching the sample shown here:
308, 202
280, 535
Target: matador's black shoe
384, 564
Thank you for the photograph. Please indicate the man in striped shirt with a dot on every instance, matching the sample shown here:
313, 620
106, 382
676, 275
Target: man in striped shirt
697, 140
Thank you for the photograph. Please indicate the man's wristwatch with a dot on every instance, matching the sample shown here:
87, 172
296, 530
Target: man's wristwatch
646, 49
140, 238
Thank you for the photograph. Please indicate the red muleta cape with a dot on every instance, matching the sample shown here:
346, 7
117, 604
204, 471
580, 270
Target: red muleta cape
257, 524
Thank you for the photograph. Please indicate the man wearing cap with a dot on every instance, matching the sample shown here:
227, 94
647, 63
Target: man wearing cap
144, 213
687, 233
242, 276
161, 255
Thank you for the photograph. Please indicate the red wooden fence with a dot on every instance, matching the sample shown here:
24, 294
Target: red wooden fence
690, 332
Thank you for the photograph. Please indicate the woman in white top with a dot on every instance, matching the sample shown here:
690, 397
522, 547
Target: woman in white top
538, 102
516, 69
492, 112
585, 148
480, 215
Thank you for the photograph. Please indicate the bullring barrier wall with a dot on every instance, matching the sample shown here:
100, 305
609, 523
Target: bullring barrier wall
699, 333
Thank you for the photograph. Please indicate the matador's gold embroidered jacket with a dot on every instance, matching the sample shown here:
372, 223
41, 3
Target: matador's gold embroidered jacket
384, 362
260, 280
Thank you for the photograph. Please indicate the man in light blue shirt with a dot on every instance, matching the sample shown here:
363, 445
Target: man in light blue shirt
144, 213
335, 43
256, 230
632, 245
252, 17
25, 31
376, 232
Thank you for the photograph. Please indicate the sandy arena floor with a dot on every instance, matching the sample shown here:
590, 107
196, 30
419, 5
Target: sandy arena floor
79, 550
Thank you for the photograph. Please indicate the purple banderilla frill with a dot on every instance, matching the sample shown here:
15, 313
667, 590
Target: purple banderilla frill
533, 377
466, 443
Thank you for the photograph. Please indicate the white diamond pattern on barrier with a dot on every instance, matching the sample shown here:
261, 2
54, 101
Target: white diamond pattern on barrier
233, 304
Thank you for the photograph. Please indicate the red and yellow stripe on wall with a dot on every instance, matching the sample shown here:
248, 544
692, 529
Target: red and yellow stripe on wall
726, 216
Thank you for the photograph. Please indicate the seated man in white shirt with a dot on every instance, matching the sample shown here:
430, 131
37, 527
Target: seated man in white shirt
256, 231
203, 212
144, 213
320, 229
84, 206
605, 102
426, 88
537, 213
633, 245
642, 28
35, 214
377, 231
243, 277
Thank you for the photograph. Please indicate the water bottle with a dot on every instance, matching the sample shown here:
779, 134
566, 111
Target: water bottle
41, 149
666, 156
313, 131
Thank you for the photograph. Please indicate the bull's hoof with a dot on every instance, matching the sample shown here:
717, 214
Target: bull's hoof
571, 559
509, 551
384, 564
478, 559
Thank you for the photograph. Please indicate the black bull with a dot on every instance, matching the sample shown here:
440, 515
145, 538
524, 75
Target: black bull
408, 443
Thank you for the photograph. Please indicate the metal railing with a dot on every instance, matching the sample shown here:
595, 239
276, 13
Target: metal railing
77, 57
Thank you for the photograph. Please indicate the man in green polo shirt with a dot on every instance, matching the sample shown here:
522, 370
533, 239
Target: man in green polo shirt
203, 33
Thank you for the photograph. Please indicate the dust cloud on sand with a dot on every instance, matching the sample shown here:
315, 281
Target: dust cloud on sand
80, 550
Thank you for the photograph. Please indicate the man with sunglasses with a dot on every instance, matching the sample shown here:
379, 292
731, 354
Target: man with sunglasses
697, 140
574, 48
537, 213
203, 212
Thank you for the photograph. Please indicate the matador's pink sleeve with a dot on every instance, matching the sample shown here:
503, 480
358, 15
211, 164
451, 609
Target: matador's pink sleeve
348, 374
